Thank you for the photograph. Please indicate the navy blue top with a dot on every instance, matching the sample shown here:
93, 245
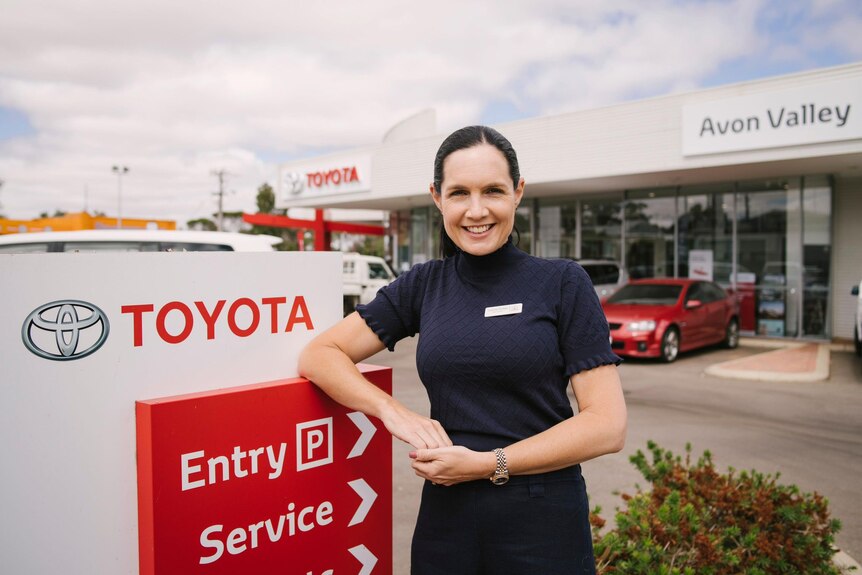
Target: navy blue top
495, 380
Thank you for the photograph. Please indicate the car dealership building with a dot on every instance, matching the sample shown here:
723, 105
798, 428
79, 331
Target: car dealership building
756, 185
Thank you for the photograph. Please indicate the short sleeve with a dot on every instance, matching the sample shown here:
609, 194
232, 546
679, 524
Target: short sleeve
583, 328
394, 312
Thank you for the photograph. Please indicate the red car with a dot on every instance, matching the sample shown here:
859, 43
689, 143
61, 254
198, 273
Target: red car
662, 317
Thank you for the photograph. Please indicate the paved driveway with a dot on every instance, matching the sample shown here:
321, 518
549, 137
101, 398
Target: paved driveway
810, 432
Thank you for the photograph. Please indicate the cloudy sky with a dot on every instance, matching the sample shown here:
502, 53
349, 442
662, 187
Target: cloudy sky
176, 90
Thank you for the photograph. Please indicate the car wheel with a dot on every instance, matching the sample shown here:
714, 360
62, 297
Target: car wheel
856, 341
670, 345
731, 334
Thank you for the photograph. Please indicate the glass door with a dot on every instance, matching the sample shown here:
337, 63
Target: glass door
601, 227
769, 228
816, 257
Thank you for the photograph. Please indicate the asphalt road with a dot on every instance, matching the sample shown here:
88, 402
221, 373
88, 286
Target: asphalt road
809, 432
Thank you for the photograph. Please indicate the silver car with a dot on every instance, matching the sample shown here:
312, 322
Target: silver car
607, 276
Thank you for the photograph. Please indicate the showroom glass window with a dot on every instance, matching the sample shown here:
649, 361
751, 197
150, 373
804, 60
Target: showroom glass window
524, 237
705, 229
557, 234
650, 217
420, 236
601, 229
769, 242
399, 222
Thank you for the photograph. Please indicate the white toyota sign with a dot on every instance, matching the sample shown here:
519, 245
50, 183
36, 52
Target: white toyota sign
327, 177
83, 336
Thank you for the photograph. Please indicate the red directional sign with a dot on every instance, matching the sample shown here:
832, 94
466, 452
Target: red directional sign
267, 478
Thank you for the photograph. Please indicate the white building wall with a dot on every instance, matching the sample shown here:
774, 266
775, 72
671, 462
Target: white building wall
406, 170
846, 253
645, 137
636, 144
636, 138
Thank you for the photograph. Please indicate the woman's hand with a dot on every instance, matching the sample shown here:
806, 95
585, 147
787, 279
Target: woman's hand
451, 465
410, 427
329, 361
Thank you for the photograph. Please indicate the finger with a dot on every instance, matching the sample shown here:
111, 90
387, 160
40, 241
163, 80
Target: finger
434, 438
428, 438
425, 470
422, 455
409, 438
444, 437
414, 438
441, 435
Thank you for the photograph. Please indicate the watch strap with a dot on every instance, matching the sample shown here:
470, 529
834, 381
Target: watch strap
501, 472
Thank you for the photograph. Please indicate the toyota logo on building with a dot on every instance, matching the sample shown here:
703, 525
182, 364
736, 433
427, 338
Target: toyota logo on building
293, 182
65, 330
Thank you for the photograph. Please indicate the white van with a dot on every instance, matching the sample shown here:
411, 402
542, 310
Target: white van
363, 276
89, 241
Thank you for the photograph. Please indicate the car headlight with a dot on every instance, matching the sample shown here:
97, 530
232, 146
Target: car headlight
645, 325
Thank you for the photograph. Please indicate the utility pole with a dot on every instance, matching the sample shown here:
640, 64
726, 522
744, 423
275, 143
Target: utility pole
120, 171
221, 175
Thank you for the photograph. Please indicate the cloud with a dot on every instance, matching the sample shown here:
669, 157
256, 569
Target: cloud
176, 92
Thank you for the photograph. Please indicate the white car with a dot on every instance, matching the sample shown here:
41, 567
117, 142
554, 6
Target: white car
607, 276
857, 324
87, 241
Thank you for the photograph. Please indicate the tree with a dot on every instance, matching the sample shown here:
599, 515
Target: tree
266, 205
201, 224
265, 199
56, 214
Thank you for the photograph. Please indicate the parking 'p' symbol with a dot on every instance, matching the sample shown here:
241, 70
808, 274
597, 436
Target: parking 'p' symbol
313, 443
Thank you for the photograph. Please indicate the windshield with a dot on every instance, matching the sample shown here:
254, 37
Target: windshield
646, 294
602, 273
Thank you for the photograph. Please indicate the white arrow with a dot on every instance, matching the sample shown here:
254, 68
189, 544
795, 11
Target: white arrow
368, 496
365, 557
368, 430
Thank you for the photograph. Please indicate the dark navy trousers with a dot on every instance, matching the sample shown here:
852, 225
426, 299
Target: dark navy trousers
533, 525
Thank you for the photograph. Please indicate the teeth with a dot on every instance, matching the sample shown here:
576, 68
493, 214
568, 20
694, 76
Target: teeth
479, 229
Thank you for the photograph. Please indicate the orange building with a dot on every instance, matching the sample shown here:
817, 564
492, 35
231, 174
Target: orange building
81, 221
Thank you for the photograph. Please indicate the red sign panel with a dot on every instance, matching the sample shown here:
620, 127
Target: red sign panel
267, 478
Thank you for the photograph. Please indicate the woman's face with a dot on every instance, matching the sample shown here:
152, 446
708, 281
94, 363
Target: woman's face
477, 199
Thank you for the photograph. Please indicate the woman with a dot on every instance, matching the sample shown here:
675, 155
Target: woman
502, 336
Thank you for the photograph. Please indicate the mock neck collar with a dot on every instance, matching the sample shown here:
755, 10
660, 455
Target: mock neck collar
490, 265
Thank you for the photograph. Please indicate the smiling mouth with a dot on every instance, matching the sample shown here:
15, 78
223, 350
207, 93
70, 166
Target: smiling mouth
478, 229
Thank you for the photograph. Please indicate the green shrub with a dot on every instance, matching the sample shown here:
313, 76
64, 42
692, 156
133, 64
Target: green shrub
696, 521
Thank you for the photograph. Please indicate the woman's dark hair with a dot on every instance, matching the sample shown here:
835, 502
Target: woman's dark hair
461, 140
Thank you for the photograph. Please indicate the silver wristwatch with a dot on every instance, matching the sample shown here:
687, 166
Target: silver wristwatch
501, 473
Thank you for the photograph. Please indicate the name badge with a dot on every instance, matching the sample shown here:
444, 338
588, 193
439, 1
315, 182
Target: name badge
510, 309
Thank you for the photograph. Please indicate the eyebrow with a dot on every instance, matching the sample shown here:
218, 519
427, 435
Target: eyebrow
485, 187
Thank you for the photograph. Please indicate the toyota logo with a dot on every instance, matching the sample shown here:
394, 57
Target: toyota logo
294, 183
65, 330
